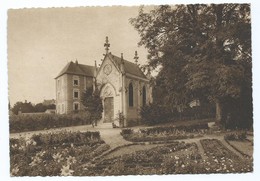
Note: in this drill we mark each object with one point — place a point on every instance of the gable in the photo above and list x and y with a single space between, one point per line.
106 63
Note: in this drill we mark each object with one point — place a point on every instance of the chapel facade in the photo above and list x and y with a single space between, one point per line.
124 88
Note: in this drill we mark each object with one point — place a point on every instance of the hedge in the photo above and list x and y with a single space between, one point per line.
21 123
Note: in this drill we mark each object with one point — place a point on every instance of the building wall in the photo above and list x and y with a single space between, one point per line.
133 111
110 80
61 94
66 100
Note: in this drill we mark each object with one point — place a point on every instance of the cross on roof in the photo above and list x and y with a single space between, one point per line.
136 57
107 45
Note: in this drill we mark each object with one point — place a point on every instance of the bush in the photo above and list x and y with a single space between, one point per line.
172 129
20 123
127 131
153 114
66 138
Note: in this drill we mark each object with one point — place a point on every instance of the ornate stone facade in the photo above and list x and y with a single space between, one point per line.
124 88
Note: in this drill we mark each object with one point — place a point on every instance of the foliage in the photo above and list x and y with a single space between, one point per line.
127 131
210 145
66 138
238 136
204 52
27 107
120 118
20 123
33 158
40 107
153 114
93 103
175 158
165 133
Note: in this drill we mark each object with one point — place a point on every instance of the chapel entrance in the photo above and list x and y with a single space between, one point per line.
108 110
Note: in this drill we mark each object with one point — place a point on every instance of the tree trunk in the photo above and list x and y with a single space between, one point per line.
218 112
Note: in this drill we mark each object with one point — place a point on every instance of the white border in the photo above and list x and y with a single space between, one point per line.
4 133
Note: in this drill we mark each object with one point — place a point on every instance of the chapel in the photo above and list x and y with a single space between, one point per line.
124 88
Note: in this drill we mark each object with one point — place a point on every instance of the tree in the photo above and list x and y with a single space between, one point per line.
93 104
205 53
40 107
23 107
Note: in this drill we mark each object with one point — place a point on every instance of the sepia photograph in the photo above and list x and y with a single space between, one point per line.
130 90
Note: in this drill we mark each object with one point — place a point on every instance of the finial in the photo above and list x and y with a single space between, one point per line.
76 61
95 63
122 58
107 45
136 57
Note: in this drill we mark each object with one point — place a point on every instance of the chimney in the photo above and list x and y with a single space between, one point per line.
76 62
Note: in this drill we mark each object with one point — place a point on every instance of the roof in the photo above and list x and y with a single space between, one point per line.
129 67
77 69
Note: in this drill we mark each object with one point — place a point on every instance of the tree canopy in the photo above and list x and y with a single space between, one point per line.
93 104
204 52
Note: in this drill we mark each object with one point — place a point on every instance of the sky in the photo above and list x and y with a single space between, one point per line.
41 41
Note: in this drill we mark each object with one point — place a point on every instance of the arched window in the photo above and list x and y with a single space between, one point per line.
144 95
131 95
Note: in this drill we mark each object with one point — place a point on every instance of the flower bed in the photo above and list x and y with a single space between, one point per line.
20 123
151 161
238 136
222 159
165 133
176 158
54 154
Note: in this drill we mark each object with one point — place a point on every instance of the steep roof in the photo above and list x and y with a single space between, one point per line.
129 67
77 69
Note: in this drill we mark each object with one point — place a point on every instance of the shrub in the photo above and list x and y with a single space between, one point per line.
66 138
153 114
20 123
172 129
127 131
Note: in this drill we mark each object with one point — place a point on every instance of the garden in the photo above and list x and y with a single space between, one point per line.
165 133
85 154
55 154
173 158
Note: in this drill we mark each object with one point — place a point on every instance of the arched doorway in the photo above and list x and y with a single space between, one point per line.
107 94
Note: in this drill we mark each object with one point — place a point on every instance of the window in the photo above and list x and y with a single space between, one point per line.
75 81
76 106
144 95
131 95
75 94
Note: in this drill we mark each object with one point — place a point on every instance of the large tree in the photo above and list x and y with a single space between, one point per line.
204 52
24 107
